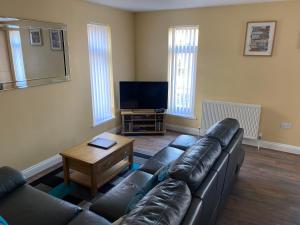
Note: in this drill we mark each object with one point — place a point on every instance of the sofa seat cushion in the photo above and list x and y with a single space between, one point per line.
184 142
194 164
10 179
29 206
89 218
160 159
113 204
166 204
223 131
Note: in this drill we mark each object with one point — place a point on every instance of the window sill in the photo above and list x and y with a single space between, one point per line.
104 121
182 116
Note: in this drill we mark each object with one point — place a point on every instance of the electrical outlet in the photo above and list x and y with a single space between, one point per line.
286 125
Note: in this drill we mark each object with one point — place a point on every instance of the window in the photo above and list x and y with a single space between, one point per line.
17 57
99 45
183 49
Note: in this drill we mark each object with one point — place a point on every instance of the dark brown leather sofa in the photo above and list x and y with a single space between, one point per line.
201 175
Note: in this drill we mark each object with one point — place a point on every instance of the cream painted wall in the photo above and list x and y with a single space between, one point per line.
36 123
223 72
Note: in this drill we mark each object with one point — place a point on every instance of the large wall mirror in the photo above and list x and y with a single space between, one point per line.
32 53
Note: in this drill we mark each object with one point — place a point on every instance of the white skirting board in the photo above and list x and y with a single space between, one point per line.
273 145
186 130
262 143
52 161
41 166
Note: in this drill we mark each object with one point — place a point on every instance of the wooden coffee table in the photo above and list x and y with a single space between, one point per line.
93 167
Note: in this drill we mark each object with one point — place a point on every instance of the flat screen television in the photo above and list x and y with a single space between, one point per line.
143 95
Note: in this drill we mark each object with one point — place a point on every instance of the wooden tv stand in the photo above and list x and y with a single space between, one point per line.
143 122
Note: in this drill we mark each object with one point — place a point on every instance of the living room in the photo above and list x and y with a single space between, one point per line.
40 122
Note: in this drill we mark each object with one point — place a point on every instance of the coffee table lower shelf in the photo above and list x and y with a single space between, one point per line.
103 178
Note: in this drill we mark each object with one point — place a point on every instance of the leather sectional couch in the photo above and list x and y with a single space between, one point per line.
201 173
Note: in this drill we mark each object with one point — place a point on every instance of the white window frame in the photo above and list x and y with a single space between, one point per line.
101 72
173 51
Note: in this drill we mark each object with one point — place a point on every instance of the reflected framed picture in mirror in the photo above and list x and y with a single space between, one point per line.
55 39
36 37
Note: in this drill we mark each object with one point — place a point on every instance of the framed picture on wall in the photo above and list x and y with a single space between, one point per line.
260 38
36 37
56 39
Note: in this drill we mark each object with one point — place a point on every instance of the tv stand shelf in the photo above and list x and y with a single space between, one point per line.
143 122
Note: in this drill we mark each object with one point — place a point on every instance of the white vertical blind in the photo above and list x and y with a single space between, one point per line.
183 50
99 45
17 57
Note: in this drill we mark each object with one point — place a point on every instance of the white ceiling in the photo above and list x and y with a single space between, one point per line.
153 5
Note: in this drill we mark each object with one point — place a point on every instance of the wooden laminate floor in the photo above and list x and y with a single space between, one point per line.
150 145
267 191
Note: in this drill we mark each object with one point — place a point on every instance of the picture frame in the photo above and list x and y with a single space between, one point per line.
259 40
36 38
56 39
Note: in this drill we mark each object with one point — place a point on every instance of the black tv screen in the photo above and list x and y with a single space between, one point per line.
143 95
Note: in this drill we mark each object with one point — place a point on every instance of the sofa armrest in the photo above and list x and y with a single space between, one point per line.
10 179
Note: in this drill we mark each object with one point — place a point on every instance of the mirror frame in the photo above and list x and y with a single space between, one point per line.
42 81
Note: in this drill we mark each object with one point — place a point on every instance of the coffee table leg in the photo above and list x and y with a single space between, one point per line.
66 171
130 157
94 188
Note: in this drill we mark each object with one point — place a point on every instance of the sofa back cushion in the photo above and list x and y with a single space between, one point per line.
166 204
223 131
193 165
10 179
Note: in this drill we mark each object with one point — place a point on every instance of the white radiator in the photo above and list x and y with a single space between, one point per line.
247 115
